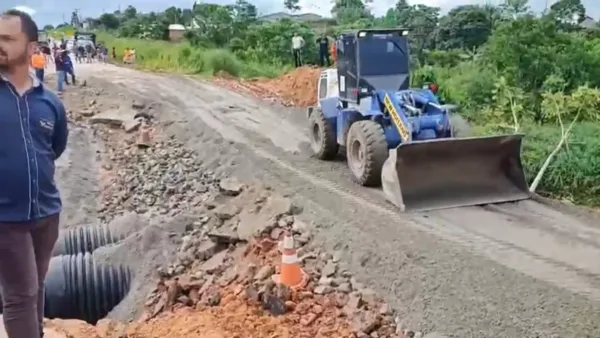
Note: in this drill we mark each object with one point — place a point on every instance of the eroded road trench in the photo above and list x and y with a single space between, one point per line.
524 269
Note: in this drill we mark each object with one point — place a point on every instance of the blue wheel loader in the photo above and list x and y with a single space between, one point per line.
403 139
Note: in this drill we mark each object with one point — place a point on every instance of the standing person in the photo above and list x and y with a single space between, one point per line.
88 53
132 56
80 53
33 125
59 63
323 42
105 54
69 68
114 54
126 55
47 53
297 46
38 62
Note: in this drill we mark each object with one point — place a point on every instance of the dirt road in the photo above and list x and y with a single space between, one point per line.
513 270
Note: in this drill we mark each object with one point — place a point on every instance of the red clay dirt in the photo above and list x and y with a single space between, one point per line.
237 314
298 88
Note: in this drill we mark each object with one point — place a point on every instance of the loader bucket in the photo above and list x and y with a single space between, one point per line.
447 173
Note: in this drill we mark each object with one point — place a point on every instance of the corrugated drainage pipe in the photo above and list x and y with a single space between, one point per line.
84 239
77 288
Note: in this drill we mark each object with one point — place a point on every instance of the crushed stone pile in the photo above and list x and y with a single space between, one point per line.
164 179
298 88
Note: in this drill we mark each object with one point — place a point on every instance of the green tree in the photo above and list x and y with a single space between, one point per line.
348 11
109 21
464 27
245 11
568 11
512 9
291 5
130 12
421 20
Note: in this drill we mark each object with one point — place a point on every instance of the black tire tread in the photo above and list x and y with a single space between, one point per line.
373 136
329 147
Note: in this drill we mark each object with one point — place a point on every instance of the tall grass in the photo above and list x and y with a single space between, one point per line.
163 56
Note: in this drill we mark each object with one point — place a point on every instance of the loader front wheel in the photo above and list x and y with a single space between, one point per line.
366 151
322 136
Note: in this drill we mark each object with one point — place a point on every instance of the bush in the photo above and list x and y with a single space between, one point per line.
575 171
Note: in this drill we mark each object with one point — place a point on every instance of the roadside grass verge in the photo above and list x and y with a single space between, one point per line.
574 173
163 56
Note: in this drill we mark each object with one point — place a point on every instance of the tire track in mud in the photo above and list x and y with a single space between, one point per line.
195 99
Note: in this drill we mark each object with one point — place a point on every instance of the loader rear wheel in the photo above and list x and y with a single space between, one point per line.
366 151
322 136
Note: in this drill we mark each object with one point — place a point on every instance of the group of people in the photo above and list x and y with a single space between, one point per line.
61 58
298 45
62 62
87 53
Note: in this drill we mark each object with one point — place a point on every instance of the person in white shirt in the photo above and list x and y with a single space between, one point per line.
297 45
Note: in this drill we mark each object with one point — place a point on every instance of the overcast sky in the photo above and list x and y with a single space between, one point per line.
52 11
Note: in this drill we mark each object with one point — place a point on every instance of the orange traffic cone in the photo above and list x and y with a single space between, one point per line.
144 138
291 274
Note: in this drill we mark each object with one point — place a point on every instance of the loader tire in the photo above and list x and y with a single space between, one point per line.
322 136
366 151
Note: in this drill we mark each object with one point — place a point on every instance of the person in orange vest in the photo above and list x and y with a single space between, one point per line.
38 62
334 55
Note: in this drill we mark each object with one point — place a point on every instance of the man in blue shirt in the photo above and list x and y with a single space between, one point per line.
69 69
33 129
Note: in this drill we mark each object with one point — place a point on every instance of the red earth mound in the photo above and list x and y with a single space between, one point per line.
298 88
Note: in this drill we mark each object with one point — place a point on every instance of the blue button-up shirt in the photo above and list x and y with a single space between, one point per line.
33 134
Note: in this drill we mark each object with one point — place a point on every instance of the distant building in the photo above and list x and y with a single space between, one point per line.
176 32
589 23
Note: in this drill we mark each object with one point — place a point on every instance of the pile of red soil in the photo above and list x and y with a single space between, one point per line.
298 88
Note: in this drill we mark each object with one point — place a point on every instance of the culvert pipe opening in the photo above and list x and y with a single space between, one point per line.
84 239
78 288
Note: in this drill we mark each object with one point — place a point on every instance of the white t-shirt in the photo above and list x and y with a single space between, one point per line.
297 42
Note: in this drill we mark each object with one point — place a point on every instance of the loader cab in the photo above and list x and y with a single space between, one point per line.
370 60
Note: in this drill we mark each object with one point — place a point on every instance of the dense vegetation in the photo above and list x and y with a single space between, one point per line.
509 69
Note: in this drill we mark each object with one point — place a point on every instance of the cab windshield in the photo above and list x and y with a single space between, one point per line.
383 54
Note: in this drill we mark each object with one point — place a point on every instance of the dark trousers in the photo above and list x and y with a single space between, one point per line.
69 71
25 252
297 57
324 58
39 73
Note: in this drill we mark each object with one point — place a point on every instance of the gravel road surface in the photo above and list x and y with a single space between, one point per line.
522 269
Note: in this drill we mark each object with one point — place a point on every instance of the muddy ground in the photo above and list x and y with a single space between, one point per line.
522 269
